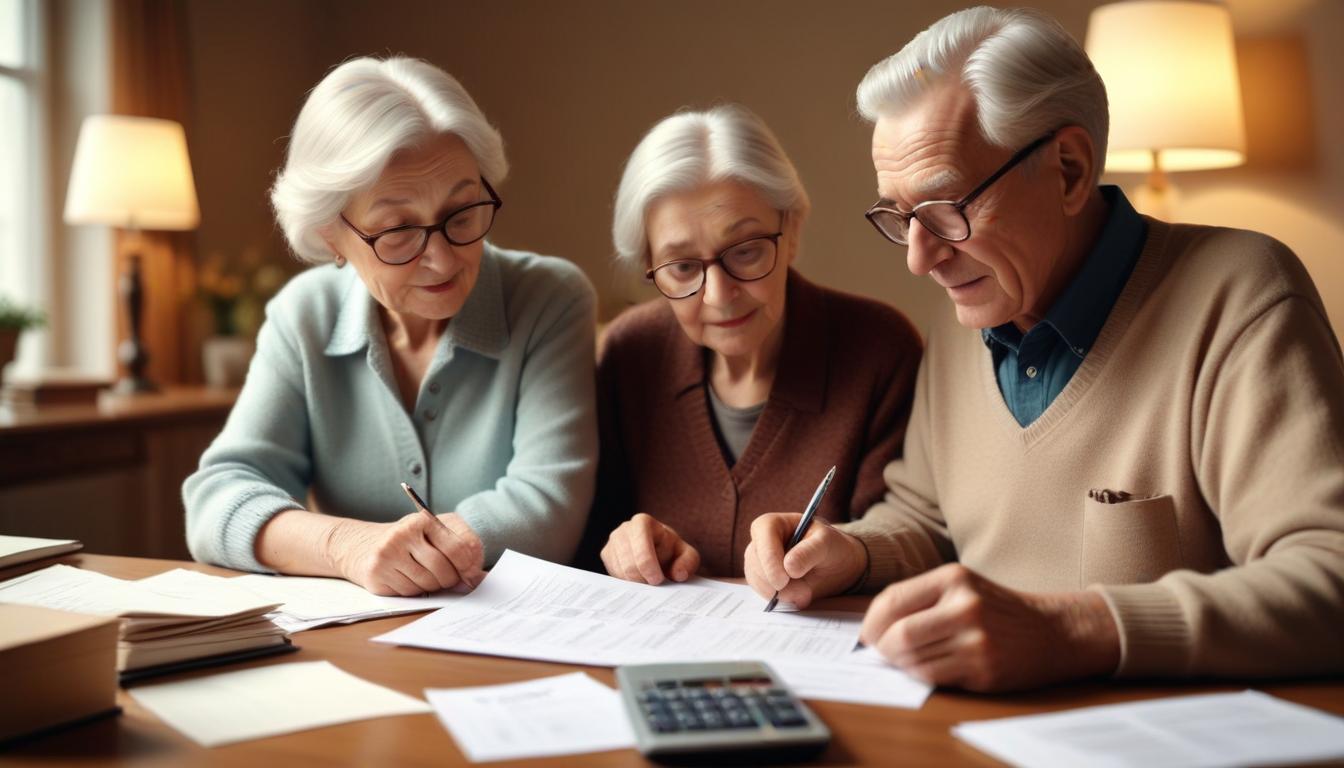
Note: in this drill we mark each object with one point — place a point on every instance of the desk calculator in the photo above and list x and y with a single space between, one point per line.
724 711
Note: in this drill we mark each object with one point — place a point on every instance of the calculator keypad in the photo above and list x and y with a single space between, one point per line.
671 706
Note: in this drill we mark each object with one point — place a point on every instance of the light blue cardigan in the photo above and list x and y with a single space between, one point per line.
504 429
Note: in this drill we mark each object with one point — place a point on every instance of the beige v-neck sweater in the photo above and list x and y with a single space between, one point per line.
1215 397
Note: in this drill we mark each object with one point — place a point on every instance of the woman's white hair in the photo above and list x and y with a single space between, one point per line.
689 149
361 114
1026 72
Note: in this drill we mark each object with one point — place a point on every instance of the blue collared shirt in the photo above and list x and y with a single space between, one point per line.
1033 368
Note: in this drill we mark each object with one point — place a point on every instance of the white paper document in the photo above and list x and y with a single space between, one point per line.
310 602
268 701
862 677
305 602
1205 731
562 715
529 608
80 591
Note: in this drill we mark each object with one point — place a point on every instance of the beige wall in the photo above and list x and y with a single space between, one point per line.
574 85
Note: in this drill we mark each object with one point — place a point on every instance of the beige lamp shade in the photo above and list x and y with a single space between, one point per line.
1170 71
134 173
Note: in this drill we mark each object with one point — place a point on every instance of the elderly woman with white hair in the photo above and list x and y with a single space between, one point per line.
732 395
417 352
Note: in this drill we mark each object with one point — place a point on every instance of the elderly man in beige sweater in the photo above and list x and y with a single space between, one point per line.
1126 450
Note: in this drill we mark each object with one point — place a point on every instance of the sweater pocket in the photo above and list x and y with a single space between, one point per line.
1130 541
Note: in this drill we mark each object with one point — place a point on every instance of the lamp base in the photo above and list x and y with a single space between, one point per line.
1158 202
131 352
1157 197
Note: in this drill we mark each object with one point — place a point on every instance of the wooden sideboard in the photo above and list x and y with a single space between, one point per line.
109 475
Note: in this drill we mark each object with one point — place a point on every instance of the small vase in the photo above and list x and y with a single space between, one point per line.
225 359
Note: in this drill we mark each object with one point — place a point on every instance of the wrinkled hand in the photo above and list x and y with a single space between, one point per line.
826 561
409 557
951 626
643 549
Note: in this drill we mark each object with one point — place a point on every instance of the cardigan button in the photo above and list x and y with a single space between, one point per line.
416 468
434 387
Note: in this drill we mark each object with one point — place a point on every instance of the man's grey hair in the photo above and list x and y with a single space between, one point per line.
1027 74
689 149
361 114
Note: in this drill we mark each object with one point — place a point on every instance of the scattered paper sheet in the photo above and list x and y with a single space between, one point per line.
562 715
1205 731
863 677
306 602
80 591
310 602
529 608
193 585
268 701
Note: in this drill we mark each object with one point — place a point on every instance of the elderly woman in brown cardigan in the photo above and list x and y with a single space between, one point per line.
731 395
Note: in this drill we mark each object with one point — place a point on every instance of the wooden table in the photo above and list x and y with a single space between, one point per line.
862 735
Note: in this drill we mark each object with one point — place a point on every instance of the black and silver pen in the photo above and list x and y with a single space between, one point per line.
801 530
424 508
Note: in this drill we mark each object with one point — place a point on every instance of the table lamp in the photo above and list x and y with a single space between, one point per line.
1170 71
132 173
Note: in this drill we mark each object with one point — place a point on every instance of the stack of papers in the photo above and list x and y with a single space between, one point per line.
158 626
562 715
532 609
310 602
268 701
1206 731
304 602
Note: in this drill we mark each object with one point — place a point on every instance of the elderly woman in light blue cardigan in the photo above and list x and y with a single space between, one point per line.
418 352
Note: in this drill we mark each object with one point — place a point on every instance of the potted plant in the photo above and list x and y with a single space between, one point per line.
234 291
15 319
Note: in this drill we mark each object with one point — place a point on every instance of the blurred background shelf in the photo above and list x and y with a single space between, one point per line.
109 475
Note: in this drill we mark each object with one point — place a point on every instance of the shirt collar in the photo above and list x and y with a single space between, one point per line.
481 325
1081 310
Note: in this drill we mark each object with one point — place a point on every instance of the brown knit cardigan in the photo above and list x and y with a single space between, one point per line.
841 396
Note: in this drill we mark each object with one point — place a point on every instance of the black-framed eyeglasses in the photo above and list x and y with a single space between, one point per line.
944 218
404 244
745 261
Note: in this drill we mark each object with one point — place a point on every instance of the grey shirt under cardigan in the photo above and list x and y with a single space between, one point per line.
733 425
504 428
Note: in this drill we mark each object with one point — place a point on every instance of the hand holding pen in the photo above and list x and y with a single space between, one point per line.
789 559
801 530
461 545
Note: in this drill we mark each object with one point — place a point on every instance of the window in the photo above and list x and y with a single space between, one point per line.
22 274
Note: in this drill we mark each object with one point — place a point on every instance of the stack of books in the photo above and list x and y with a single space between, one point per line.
51 388
15 550
58 669
160 630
